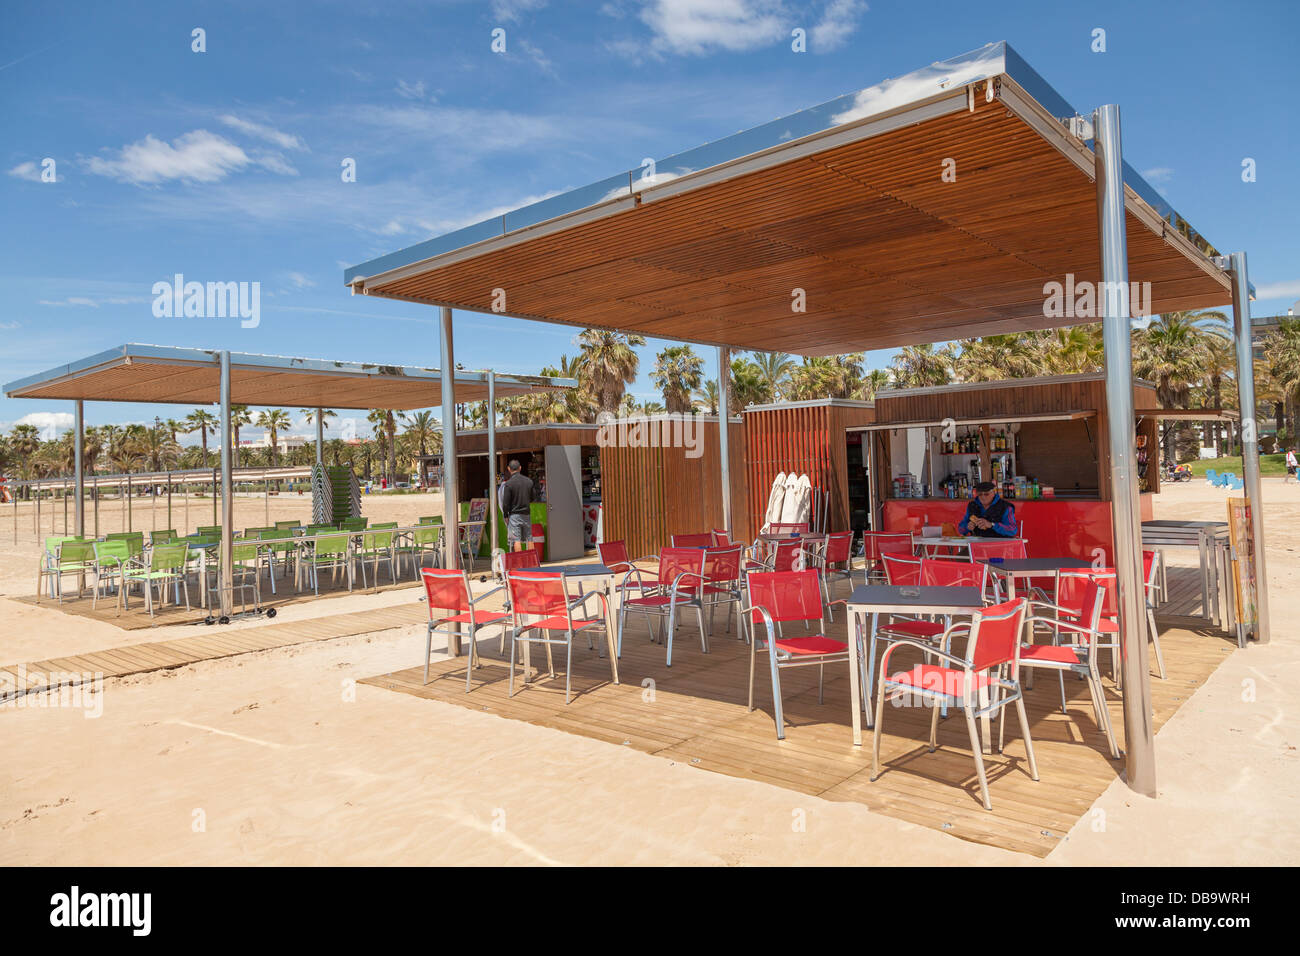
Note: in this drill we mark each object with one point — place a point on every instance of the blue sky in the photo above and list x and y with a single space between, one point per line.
225 165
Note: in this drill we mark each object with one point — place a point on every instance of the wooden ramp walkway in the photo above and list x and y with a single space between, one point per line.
695 713
206 644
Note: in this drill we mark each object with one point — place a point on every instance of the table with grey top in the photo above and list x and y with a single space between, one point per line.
1012 570
603 577
1211 540
873 600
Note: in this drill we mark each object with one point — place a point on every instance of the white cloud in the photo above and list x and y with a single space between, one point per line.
1158 174
95 302
28 171
839 21
275 163
197 156
1278 290
511 11
10 326
535 54
694 27
261 131
50 424
411 91
300 281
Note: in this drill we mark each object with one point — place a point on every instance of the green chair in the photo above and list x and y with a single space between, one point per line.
134 538
426 540
257 532
379 545
430 519
111 558
353 524
330 551
246 561
287 525
210 529
284 546
167 563
162 537
49 560
69 556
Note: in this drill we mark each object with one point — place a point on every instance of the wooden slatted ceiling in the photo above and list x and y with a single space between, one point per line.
886 251
143 380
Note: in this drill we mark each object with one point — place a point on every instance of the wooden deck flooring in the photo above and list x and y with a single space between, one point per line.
695 713
137 617
206 644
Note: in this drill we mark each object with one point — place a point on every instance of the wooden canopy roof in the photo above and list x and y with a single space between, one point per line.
157 373
846 206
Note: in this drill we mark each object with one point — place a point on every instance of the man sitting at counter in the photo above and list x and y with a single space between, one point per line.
989 515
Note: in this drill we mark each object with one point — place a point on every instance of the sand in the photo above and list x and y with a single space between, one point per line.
277 757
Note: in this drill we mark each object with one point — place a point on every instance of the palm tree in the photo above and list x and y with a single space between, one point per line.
994 358
203 421
750 384
386 428
273 420
708 396
158 450
678 371
872 382
1070 350
239 417
608 365
774 368
1171 351
423 429
917 366
175 427
124 451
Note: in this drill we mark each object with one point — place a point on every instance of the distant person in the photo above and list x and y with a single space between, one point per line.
1290 464
516 498
989 515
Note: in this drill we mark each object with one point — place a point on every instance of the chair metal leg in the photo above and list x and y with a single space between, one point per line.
978 750
753 651
1155 641
704 635
778 713
568 664
1024 729
934 726
877 729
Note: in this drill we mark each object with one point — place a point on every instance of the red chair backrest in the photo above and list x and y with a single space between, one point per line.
952 574
879 543
838 544
788 527
676 561
1149 567
693 540
1072 588
722 565
787 595
787 552
902 571
987 548
446 589
720 538
995 634
537 592
613 553
514 560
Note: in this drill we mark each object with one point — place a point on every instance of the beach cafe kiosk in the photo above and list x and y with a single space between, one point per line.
835 230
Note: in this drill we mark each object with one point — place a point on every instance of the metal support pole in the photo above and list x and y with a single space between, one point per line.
169 500
96 494
130 504
320 440
226 565
450 497
1113 299
724 426
1249 433
492 459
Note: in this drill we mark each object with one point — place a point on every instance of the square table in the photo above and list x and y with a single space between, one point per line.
604 577
1014 569
1211 539
877 599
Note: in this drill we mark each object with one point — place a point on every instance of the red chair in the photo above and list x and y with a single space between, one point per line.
902 571
836 560
788 527
447 590
539 540
991 664
877 544
1070 591
680 583
518 560
1078 656
723 576
779 597
1151 574
692 540
613 554
720 538
545 595
981 549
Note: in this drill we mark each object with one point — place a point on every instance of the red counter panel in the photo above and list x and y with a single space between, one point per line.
1055 528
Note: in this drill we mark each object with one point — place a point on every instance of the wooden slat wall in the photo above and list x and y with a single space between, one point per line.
649 494
806 440
525 440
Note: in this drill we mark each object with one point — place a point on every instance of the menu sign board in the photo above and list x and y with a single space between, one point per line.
1244 576
474 534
